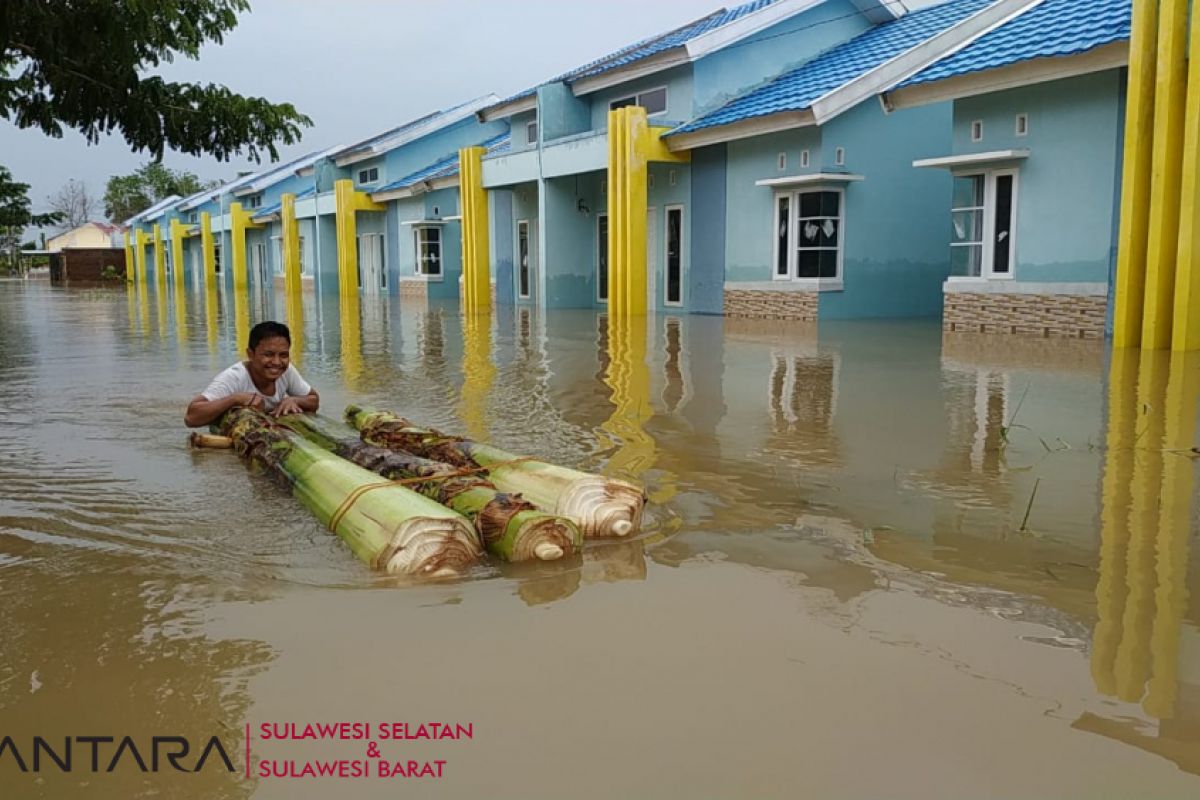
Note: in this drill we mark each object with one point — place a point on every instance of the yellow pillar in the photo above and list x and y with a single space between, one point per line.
347 202
177 229
477 288
290 244
208 251
1135 179
160 259
632 145
1170 96
1186 331
130 264
239 223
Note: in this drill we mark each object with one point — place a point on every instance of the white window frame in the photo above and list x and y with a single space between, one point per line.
833 284
781 162
976 130
277 246
1021 125
254 201
637 96
839 156
368 180
531 138
517 247
987 262
804 158
417 260
682 255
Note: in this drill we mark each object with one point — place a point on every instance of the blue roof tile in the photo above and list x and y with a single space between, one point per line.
799 88
653 45
443 167
1053 28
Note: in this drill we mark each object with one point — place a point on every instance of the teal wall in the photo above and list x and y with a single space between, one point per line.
500 221
679 96
561 112
719 76
896 252
525 207
444 203
750 220
706 278
569 238
1066 188
519 122
658 197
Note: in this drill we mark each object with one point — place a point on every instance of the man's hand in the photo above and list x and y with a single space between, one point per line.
249 399
289 405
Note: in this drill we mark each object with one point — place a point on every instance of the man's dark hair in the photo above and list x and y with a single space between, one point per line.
268 330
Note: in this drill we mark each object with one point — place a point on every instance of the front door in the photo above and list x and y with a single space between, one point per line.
372 276
526 259
673 258
261 273
651 261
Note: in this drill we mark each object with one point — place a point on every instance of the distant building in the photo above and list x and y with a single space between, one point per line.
89 234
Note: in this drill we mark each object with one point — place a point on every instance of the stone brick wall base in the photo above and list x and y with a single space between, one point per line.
766 304
1057 315
414 289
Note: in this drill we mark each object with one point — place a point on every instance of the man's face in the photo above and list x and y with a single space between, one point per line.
270 359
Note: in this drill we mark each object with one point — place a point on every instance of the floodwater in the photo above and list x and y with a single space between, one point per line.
877 562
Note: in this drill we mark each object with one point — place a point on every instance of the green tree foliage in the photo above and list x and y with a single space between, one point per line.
126 195
16 214
81 65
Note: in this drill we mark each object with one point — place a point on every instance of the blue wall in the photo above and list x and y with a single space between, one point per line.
679 96
525 207
561 112
569 237
501 224
708 209
1067 186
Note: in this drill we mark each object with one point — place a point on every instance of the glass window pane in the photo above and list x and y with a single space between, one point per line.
654 102
624 101
1003 243
966 226
966 261
810 204
827 233
829 204
828 263
808 264
968 191
781 236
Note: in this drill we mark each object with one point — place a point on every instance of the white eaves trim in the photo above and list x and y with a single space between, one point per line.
757 126
804 180
154 210
361 153
748 25
269 179
971 159
420 187
505 110
1023 73
423 221
917 58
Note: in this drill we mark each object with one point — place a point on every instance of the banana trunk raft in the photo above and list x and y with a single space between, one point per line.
386 525
601 507
511 528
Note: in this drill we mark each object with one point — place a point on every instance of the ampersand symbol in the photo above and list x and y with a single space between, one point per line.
372 750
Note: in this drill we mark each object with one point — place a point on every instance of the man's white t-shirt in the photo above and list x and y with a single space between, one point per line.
237 379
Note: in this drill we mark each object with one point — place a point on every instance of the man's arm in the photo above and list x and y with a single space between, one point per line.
296 405
201 411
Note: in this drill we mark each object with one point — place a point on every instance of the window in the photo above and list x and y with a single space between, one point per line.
216 258
602 258
983 224
807 234
1022 127
671 177
523 266
673 262
804 159
781 162
839 157
531 132
428 250
977 131
653 100
370 175
254 201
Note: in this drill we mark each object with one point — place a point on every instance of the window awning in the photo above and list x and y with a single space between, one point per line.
972 159
804 180
424 222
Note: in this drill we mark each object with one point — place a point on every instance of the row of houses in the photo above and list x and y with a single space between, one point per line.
807 159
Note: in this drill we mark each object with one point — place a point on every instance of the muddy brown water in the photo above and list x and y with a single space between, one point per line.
877 562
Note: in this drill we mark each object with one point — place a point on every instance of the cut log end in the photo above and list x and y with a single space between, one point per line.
210 441
622 527
548 552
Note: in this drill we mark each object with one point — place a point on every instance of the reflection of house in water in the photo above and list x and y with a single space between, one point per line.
1146 646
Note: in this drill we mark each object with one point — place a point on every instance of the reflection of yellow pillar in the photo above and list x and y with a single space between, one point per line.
211 310
629 378
477 293
1174 528
160 296
1111 589
177 229
130 265
1135 179
1186 332
160 256
180 314
1133 654
131 299
239 223
143 240
208 251
351 330
478 373
143 307
1170 95
347 203
632 145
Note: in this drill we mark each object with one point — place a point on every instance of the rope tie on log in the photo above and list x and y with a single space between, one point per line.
352 498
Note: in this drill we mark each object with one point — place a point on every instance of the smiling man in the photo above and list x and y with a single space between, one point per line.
266 380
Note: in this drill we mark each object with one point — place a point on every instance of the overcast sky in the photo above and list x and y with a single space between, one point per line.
358 67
